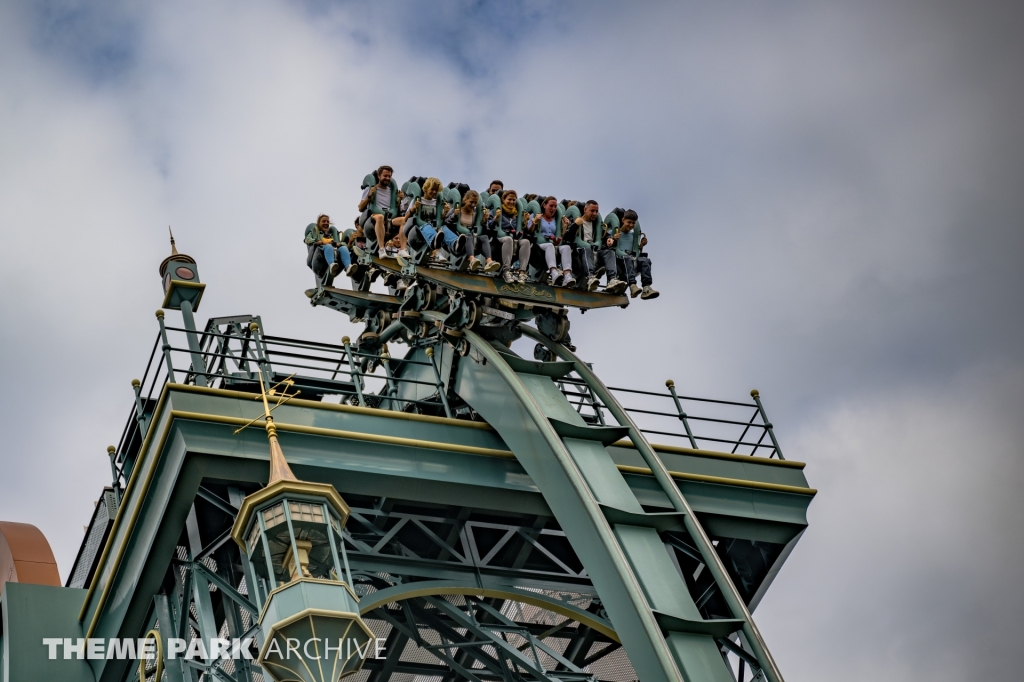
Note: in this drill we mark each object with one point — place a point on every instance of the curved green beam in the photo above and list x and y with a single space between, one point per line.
437 588
637 626
679 503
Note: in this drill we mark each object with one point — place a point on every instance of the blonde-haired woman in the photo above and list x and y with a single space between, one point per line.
424 213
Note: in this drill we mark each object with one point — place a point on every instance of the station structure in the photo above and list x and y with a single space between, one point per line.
472 513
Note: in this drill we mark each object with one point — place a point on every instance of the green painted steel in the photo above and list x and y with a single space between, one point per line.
714 562
194 449
30 613
579 481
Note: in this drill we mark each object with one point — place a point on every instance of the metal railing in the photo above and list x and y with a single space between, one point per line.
231 354
232 351
698 423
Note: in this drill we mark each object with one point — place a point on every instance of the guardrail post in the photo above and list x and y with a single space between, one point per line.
441 388
166 347
767 424
112 454
198 364
682 414
357 377
261 356
140 413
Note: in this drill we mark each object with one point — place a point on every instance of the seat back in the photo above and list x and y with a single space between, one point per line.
534 208
371 179
416 192
575 211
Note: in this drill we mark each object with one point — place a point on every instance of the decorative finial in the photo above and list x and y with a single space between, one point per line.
670 383
111 449
754 393
136 383
174 249
159 314
279 469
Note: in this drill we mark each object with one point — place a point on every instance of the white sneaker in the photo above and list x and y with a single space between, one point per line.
593 283
616 286
474 264
649 292
403 253
381 253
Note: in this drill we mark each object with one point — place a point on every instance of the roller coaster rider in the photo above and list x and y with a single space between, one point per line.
378 205
327 251
505 228
462 219
548 231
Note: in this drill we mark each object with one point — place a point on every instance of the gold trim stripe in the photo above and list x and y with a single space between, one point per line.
722 480
391 440
509 594
486 452
120 512
350 435
697 452
372 411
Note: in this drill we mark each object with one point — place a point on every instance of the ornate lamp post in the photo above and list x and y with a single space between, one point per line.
290 532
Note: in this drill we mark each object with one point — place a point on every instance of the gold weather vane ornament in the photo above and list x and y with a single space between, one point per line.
279 469
174 249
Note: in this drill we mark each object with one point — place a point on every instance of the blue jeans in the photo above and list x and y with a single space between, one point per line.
428 232
450 239
633 265
342 254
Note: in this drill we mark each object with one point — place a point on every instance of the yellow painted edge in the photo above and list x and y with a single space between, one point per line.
288 584
188 285
350 435
391 440
373 411
120 509
721 480
512 595
487 452
131 522
715 454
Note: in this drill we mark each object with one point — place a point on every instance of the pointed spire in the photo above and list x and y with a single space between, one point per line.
279 469
174 249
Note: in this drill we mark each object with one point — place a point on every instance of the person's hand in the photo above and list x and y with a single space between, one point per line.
643 241
565 221
373 192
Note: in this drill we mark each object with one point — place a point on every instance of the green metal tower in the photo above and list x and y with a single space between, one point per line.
457 511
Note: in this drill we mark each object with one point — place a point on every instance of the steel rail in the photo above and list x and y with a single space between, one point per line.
652 630
707 550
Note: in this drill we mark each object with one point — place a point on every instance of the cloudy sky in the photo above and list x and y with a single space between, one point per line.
834 194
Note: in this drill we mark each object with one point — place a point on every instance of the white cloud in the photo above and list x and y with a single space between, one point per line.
910 565
830 191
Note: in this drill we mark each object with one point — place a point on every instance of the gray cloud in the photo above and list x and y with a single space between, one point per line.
832 193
